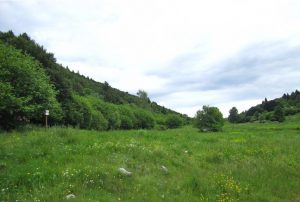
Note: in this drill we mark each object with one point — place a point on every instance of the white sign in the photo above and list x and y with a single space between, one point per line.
47 112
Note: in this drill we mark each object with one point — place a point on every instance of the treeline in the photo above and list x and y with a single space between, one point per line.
269 110
31 81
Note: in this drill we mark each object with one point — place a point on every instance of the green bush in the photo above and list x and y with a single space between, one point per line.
173 121
127 117
144 119
126 122
209 119
98 121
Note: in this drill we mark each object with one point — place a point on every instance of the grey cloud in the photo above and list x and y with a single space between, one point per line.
257 67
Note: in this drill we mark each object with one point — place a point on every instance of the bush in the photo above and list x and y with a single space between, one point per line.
98 121
144 119
209 119
126 122
173 121
291 111
127 117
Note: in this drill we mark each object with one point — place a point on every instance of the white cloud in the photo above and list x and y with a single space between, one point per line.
121 41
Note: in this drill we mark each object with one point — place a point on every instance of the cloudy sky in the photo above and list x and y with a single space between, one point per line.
185 53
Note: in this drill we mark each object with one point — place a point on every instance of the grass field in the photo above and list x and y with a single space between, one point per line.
245 162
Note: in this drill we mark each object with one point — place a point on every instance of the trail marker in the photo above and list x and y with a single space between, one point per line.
46 117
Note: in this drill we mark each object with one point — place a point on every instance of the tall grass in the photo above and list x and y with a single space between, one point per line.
245 162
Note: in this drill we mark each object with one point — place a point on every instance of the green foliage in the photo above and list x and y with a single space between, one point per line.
143 95
90 118
244 162
289 104
25 91
233 115
173 121
278 114
84 102
209 119
128 120
144 119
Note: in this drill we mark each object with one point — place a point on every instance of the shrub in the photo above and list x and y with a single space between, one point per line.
144 119
173 121
126 122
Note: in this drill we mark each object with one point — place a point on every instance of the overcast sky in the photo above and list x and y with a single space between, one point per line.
185 54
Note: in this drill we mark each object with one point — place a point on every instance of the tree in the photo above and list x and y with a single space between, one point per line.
233 115
142 94
25 90
209 119
173 121
279 114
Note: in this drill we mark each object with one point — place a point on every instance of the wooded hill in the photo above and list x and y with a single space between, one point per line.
31 81
269 110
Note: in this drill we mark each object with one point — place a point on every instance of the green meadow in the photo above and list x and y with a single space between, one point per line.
244 162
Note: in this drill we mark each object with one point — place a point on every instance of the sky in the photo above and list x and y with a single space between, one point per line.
184 54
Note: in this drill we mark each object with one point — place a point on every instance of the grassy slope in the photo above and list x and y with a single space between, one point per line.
246 162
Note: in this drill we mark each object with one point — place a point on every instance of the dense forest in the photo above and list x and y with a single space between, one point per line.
31 81
269 110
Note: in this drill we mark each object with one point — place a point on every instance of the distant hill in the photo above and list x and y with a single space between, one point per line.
270 110
84 103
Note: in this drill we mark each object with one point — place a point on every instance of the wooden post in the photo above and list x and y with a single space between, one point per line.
46 118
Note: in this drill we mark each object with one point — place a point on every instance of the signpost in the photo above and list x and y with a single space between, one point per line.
46 117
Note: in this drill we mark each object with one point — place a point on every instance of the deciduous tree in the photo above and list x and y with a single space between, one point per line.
209 119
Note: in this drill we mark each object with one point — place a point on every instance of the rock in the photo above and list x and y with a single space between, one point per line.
205 129
70 196
164 169
123 171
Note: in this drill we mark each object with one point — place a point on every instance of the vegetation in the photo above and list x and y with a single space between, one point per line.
72 99
244 162
173 121
273 110
279 114
25 90
233 115
209 119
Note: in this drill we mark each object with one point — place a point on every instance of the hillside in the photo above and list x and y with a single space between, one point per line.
272 110
84 102
245 162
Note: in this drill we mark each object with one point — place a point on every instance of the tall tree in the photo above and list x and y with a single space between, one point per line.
233 115
142 94
25 90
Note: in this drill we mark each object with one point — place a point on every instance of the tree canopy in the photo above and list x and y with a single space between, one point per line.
233 115
25 90
32 81
209 119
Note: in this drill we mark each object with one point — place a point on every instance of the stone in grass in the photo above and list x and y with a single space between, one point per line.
123 171
70 196
164 169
